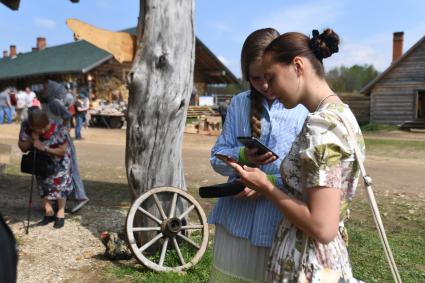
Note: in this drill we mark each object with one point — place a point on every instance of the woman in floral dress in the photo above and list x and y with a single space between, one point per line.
40 133
320 171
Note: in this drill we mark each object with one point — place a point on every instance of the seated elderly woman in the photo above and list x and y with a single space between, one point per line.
40 133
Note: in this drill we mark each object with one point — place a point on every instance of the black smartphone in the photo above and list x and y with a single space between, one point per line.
252 142
226 158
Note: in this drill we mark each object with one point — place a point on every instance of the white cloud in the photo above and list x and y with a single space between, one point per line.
375 49
223 60
45 23
231 64
303 18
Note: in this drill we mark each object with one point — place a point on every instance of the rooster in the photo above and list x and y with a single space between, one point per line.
116 245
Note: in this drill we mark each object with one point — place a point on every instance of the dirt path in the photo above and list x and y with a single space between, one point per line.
74 253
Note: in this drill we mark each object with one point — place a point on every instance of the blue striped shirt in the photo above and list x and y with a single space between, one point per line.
255 220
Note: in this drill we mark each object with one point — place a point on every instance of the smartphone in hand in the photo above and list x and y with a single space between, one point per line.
252 142
226 158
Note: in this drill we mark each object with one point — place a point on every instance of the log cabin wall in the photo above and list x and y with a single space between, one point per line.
394 97
359 105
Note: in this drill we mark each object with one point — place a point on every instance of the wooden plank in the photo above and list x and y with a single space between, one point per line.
121 45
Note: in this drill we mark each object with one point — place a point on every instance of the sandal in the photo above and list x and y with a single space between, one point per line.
46 220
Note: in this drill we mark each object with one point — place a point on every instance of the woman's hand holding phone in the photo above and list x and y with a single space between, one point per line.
253 178
262 159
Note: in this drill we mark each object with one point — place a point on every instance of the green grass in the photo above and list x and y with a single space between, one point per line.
405 231
395 148
371 127
136 273
191 120
400 144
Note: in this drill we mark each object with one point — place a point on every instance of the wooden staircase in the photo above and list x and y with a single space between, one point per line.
417 124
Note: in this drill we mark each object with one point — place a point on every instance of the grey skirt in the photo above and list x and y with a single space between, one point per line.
236 260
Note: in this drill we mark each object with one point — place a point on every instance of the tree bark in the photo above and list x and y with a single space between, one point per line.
160 83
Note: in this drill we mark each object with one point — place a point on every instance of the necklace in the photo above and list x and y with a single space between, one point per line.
321 101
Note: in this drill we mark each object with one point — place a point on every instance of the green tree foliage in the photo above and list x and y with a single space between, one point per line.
230 89
351 79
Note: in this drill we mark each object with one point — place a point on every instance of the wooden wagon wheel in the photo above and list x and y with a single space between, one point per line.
184 237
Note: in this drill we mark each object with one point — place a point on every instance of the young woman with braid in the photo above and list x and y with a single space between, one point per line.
247 222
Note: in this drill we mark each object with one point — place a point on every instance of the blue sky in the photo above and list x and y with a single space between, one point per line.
365 27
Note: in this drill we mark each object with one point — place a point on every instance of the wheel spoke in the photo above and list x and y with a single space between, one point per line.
151 242
187 212
149 215
192 227
158 204
173 206
163 251
176 246
145 229
189 241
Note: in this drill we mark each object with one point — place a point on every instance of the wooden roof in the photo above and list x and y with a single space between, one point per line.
12 4
368 88
210 67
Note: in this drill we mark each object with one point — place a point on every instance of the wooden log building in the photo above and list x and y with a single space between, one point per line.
398 94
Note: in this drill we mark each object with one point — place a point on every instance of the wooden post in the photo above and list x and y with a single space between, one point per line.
160 84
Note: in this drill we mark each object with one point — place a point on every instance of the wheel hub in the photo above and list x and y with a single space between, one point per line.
171 227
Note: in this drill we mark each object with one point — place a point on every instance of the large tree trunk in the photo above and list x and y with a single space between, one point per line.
160 82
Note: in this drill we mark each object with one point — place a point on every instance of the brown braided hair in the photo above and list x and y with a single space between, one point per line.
252 50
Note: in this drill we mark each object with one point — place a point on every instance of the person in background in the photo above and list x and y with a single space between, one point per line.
81 107
12 94
222 109
193 96
21 106
53 95
38 132
69 101
321 171
5 106
94 100
30 96
246 223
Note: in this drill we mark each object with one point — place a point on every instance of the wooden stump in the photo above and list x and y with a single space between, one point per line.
160 82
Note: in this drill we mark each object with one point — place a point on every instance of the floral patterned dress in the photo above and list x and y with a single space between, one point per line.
58 185
322 155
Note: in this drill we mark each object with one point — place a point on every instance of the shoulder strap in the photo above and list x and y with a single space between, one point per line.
373 204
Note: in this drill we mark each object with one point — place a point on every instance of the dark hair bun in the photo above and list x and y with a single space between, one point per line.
325 44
